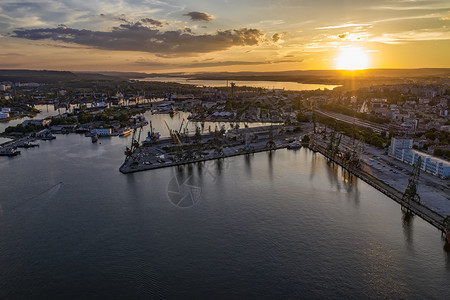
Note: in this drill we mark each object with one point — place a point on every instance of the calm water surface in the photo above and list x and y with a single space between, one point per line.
44 112
286 85
271 225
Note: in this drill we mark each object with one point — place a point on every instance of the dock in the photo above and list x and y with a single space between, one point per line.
432 217
129 167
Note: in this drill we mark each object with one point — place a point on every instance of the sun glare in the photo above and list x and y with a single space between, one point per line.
352 59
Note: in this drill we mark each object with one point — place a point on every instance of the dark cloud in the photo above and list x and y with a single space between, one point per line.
136 37
276 37
199 16
205 64
343 35
152 22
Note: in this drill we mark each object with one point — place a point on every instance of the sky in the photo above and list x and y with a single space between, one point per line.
227 35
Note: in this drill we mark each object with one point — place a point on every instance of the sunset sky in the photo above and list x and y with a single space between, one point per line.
227 35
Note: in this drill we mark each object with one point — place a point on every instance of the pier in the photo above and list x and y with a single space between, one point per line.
132 167
432 217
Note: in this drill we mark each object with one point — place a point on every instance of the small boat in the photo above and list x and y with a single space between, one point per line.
94 138
126 132
294 145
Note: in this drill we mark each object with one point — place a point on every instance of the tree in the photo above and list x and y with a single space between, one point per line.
301 117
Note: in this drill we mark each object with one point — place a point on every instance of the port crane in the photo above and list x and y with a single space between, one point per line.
129 151
410 193
174 135
335 141
313 140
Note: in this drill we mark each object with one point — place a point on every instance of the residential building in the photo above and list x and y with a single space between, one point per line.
400 143
401 149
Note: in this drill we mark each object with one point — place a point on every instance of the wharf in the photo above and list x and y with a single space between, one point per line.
127 166
13 143
432 217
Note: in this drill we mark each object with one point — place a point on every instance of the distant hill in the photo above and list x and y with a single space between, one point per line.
326 75
338 77
44 76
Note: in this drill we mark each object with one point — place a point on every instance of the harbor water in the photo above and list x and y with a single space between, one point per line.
285 224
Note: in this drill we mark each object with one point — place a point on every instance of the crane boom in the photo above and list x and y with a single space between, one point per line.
181 126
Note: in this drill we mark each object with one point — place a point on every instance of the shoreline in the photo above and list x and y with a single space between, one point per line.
423 211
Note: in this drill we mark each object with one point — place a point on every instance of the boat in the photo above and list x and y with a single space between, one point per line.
9 152
294 145
152 136
47 137
94 138
28 145
126 132
81 130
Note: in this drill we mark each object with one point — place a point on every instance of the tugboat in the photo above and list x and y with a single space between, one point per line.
94 138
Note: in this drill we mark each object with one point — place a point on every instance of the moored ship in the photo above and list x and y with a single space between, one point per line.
126 132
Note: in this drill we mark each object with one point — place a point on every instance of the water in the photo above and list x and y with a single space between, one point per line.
280 225
45 111
286 85
159 124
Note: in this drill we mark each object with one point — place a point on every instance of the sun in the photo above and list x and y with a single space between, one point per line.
352 58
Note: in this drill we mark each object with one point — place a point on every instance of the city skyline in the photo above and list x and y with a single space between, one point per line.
191 36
